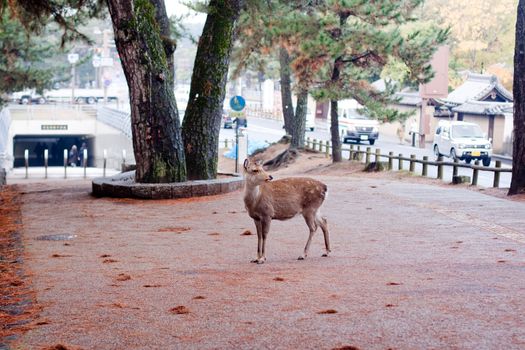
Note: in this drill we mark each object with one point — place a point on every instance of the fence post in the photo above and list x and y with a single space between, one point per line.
26 160
359 154
497 174
400 162
378 155
475 173
225 143
412 163
314 145
455 168
368 153
308 142
390 160
327 151
440 168
351 152
65 163
425 166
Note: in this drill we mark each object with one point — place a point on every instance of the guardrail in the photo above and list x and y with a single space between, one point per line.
120 120
366 156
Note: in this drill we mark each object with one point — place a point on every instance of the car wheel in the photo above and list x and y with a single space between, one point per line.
486 161
24 101
90 100
41 101
468 160
453 154
372 141
436 151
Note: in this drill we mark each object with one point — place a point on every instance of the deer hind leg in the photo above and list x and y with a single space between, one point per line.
309 217
321 221
258 226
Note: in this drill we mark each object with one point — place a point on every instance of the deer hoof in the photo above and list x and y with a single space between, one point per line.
261 261
301 258
325 255
254 261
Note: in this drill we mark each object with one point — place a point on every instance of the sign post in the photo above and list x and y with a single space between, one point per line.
72 58
237 104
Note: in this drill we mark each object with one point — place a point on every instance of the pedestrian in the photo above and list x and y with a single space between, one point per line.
401 133
81 153
73 156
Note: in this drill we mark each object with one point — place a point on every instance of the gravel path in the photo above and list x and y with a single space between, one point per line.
413 267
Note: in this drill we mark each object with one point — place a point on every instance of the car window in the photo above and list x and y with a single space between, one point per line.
459 131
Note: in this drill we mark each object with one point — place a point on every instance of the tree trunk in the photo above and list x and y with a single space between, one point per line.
334 131
157 141
299 120
334 118
517 184
286 90
202 120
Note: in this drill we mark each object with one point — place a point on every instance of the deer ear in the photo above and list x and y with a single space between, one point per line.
246 162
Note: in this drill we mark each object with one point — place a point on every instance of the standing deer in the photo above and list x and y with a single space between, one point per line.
266 200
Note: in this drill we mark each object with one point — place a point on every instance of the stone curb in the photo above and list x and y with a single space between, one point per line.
123 186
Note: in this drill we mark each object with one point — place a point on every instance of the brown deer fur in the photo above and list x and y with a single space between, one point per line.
283 199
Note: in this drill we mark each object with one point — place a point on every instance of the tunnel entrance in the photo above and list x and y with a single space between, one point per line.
36 144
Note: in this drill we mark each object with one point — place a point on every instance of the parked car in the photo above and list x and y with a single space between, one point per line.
462 141
227 122
27 99
356 127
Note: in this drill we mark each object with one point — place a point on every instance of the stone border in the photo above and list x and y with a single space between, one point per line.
123 186
3 180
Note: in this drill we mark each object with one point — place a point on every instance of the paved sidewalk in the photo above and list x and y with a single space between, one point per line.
413 267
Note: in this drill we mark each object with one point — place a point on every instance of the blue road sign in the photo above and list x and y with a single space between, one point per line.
237 103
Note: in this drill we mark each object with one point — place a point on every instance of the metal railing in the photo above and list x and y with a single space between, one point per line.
120 120
366 156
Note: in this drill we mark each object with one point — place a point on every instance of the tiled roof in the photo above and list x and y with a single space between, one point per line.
476 87
484 108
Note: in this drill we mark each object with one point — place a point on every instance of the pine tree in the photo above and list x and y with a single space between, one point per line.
517 184
339 44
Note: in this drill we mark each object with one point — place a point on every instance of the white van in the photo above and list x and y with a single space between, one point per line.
462 141
354 126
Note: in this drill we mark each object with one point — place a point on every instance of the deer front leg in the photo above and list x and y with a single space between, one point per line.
258 226
265 229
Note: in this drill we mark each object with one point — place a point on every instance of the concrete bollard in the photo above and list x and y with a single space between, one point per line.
424 172
105 163
368 154
455 168
351 153
65 163
46 157
26 161
327 150
378 155
123 160
400 162
84 161
390 160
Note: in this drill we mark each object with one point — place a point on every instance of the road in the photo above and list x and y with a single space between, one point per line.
271 131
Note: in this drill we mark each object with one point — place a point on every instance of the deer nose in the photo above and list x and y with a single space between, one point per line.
270 178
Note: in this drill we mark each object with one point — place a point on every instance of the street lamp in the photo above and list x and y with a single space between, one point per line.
73 59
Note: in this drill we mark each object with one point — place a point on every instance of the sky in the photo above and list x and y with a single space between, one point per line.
176 7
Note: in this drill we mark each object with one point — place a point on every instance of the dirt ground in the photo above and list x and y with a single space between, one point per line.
407 271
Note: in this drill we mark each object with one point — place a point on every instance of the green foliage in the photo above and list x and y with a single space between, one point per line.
340 44
25 62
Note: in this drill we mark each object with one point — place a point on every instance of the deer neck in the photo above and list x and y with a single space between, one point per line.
251 195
